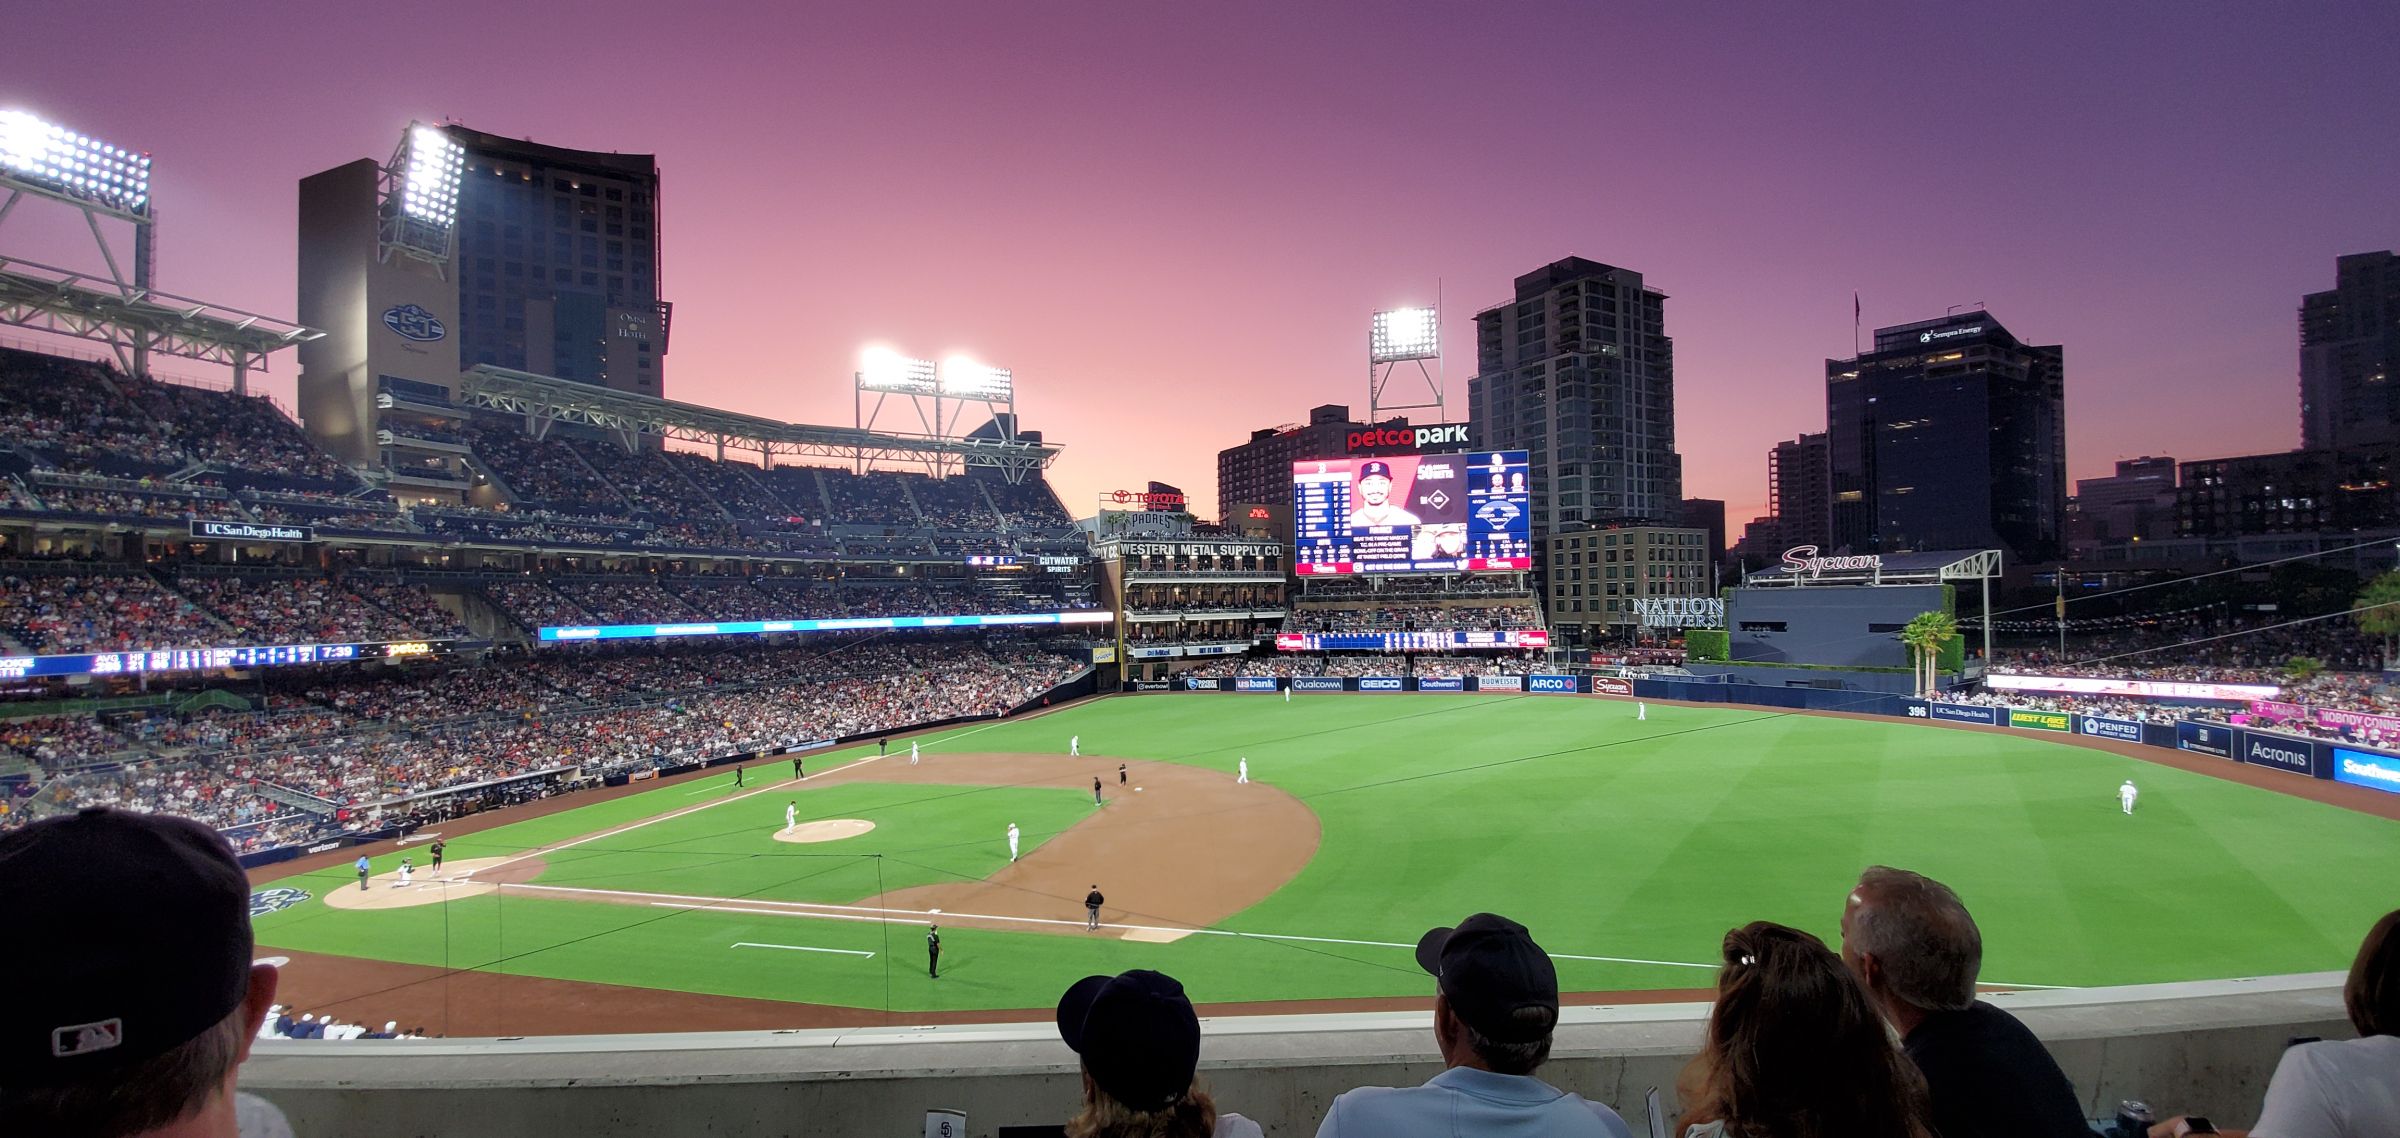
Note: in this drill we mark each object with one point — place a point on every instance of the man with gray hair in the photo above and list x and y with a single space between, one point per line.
1916 951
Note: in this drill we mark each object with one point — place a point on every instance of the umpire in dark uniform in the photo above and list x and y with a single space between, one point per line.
933 951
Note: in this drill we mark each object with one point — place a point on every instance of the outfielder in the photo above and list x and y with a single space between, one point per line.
1245 770
2126 794
912 752
791 814
1074 745
1287 691
1641 712
1012 841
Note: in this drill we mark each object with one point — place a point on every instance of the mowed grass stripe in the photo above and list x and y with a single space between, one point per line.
1607 836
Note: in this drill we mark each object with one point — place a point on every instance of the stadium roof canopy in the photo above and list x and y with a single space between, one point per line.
138 321
546 399
1801 567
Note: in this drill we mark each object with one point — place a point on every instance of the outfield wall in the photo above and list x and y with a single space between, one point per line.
2206 1047
2292 754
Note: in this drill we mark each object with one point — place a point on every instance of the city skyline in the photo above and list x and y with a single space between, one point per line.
1182 220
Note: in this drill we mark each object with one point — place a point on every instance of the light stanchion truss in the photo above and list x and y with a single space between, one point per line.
135 322
544 400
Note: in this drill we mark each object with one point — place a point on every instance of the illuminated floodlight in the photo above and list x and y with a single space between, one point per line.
76 165
430 175
1405 334
963 378
882 369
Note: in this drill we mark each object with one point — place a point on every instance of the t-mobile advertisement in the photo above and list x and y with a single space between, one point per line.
1412 513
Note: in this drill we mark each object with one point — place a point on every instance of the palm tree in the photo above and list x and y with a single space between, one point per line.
1924 635
2377 611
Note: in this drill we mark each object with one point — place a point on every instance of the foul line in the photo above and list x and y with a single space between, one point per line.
803 948
824 911
674 814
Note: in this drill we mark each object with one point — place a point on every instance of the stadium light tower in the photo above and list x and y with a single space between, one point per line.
1397 337
419 188
44 159
940 394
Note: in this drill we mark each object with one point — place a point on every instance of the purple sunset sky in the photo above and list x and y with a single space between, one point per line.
1174 220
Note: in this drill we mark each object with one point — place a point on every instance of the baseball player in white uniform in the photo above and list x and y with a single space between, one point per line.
791 815
1245 770
1012 841
2126 794
1074 745
912 752
405 869
1641 712
1287 691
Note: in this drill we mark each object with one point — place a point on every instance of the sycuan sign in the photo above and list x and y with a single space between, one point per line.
1804 559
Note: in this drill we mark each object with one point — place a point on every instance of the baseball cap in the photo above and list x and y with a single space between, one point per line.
1137 1034
1490 969
106 989
1375 470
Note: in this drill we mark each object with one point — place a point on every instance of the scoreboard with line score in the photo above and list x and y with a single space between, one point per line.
1412 513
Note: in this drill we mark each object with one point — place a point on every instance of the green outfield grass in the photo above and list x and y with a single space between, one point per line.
1633 844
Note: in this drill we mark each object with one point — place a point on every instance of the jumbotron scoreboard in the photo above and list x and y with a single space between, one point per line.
1412 513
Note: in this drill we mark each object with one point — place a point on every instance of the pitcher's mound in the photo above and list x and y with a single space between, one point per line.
458 880
828 830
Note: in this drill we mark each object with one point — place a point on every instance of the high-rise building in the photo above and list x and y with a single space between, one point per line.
2295 492
1800 491
1595 574
2350 356
1259 472
2137 503
558 263
1707 514
1578 371
1951 434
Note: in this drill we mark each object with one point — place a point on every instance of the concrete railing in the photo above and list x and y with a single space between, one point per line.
2205 1047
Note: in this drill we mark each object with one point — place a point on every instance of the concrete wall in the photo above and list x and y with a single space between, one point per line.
2205 1047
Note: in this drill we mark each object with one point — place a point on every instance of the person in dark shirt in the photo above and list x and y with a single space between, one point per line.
1916 950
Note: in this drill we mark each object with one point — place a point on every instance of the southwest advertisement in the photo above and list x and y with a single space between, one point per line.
2359 768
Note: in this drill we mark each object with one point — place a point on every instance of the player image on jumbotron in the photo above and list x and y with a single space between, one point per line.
1376 507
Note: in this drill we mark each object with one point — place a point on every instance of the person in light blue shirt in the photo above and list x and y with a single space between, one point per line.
1495 1007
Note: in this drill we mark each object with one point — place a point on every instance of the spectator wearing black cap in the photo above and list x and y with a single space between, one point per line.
1139 1041
1495 1009
147 1000
1916 950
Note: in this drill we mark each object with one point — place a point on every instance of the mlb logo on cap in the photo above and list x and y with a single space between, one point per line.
87 1038
1381 470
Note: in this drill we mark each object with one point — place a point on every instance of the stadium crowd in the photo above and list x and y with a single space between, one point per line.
356 742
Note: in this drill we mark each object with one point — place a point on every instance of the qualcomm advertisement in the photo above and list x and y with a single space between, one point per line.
2205 738
553 634
2358 768
2098 727
1316 683
2295 755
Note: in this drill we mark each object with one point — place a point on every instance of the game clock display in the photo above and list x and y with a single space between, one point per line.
1412 513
